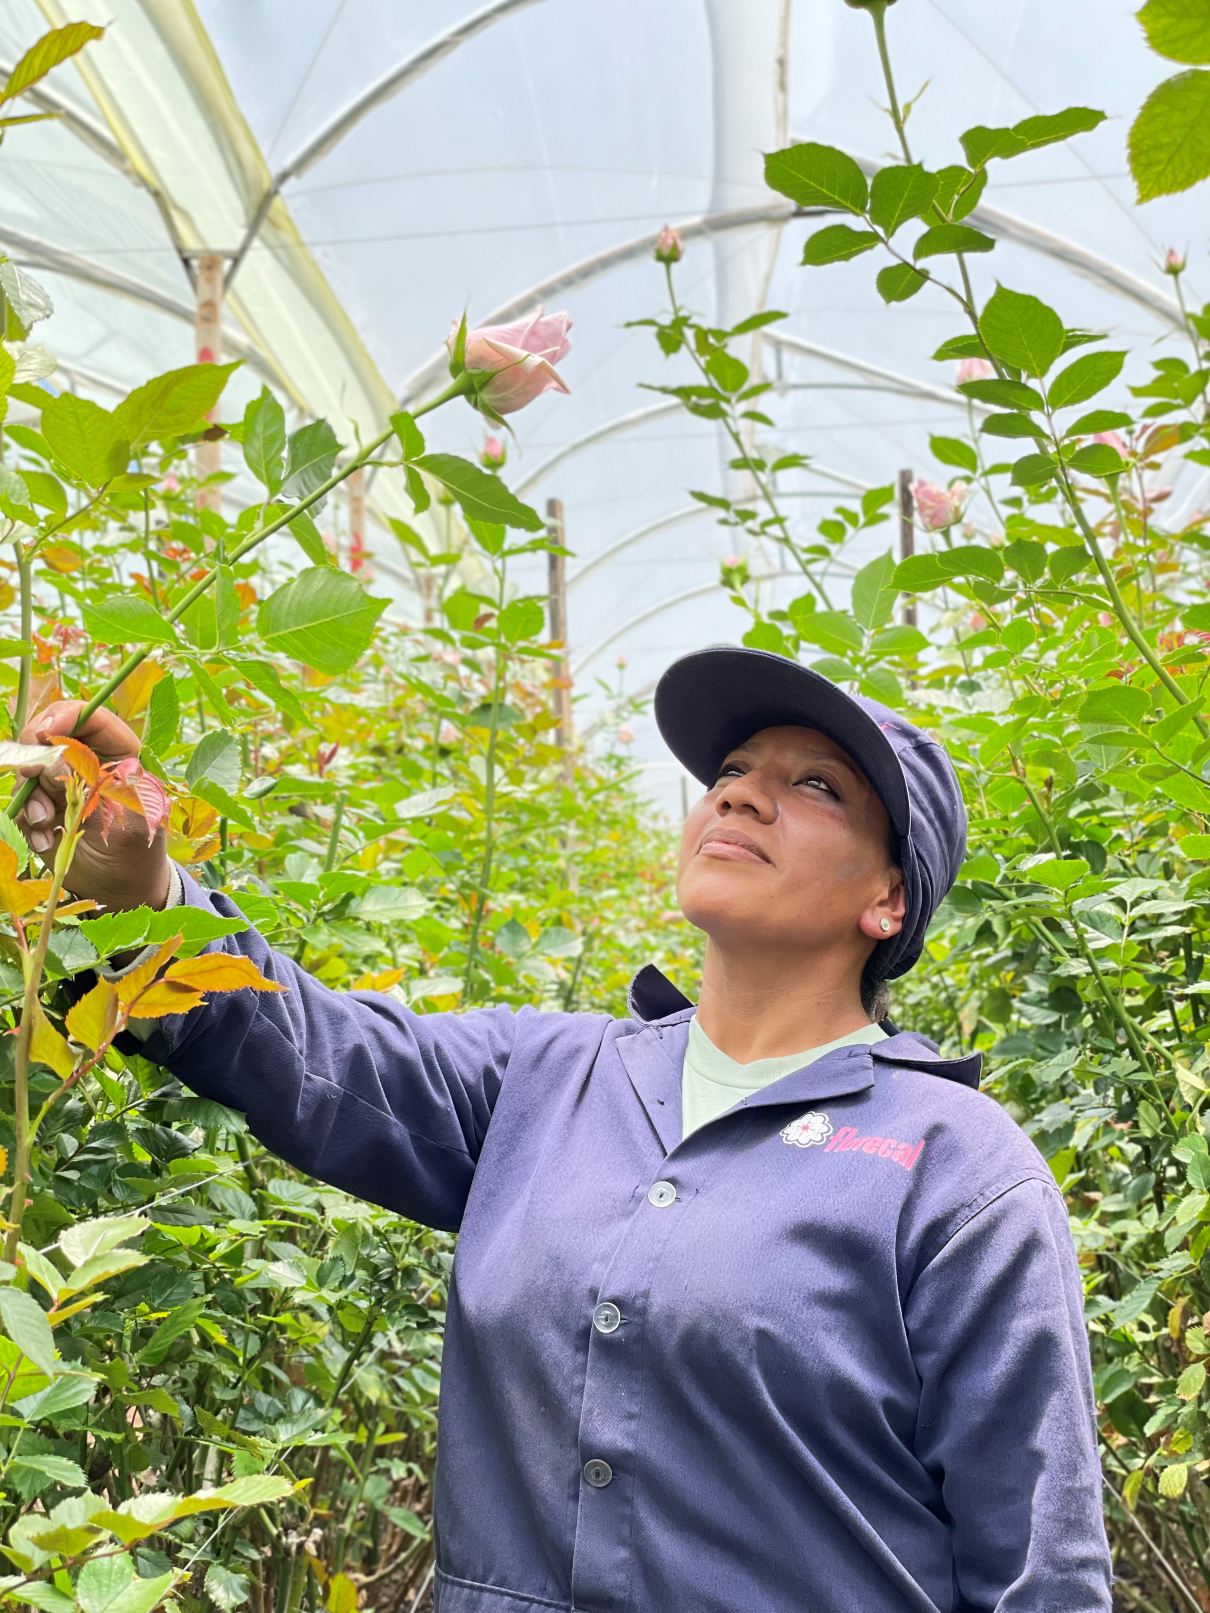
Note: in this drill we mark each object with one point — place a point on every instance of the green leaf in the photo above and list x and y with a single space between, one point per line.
411 440
1169 143
163 716
520 619
482 497
1003 394
981 144
899 640
417 491
836 243
41 1595
1099 420
766 636
323 618
899 193
1187 792
53 48
1124 703
65 1394
953 451
85 439
1065 563
1097 459
264 676
1084 379
960 347
1058 873
817 176
830 629
951 238
127 619
1013 425
900 282
1021 331
57 1469
227 607
1195 846
873 598
1191 1382
728 373
264 441
226 1588
1031 470
310 458
1173 1481
170 1329
101 1579
923 571
1178 29
306 533
15 841
88 1239
171 404
215 759
1049 127
26 1324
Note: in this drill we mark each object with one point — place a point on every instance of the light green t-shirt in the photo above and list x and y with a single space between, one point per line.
711 1082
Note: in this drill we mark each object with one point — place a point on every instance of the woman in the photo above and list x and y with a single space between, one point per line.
757 1307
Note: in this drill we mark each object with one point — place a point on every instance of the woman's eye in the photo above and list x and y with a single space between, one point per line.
814 782
730 770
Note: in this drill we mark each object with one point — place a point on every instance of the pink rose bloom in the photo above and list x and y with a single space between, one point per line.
730 561
492 454
669 247
621 661
625 734
939 507
972 369
447 734
170 484
1173 262
1112 440
521 356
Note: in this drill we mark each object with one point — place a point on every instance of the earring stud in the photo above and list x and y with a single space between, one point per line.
884 925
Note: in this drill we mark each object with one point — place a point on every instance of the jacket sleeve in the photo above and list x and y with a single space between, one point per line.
1007 1416
352 1088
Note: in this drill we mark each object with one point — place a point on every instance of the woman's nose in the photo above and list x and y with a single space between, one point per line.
746 793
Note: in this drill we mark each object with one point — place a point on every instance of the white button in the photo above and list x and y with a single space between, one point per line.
597 1473
606 1318
661 1194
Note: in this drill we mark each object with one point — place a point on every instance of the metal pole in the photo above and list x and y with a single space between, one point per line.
907 536
557 615
207 456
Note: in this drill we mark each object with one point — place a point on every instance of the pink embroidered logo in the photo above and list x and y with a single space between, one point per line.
847 1140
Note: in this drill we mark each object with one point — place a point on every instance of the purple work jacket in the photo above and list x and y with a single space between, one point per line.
824 1356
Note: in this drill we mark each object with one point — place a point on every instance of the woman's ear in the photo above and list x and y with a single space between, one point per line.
884 917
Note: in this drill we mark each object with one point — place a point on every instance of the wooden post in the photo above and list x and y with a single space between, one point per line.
208 459
557 618
357 522
907 535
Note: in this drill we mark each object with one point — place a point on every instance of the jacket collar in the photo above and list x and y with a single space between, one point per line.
654 1000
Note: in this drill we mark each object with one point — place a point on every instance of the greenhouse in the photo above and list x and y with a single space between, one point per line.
398 403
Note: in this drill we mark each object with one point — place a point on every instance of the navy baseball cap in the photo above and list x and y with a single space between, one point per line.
711 701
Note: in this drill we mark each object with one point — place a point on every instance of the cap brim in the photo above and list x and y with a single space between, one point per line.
711 701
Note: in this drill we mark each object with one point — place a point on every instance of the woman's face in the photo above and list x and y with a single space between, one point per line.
790 848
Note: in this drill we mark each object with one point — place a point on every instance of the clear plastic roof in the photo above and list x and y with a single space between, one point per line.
514 143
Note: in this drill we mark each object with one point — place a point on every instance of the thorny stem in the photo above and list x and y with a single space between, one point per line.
463 384
764 487
878 14
34 967
489 808
1120 608
25 576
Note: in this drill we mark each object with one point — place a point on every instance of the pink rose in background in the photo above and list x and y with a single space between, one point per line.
493 454
625 734
170 484
669 248
939 507
1112 440
620 662
521 358
972 369
447 734
1173 262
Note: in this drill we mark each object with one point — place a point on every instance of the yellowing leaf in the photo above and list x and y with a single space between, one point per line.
379 982
342 1595
1173 1480
94 1018
137 981
165 997
48 1047
220 971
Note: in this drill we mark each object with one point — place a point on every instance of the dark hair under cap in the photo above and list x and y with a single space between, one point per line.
711 701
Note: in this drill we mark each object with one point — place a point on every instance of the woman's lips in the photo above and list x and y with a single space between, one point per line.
744 851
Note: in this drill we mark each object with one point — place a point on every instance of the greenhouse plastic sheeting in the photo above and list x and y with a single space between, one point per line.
545 150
